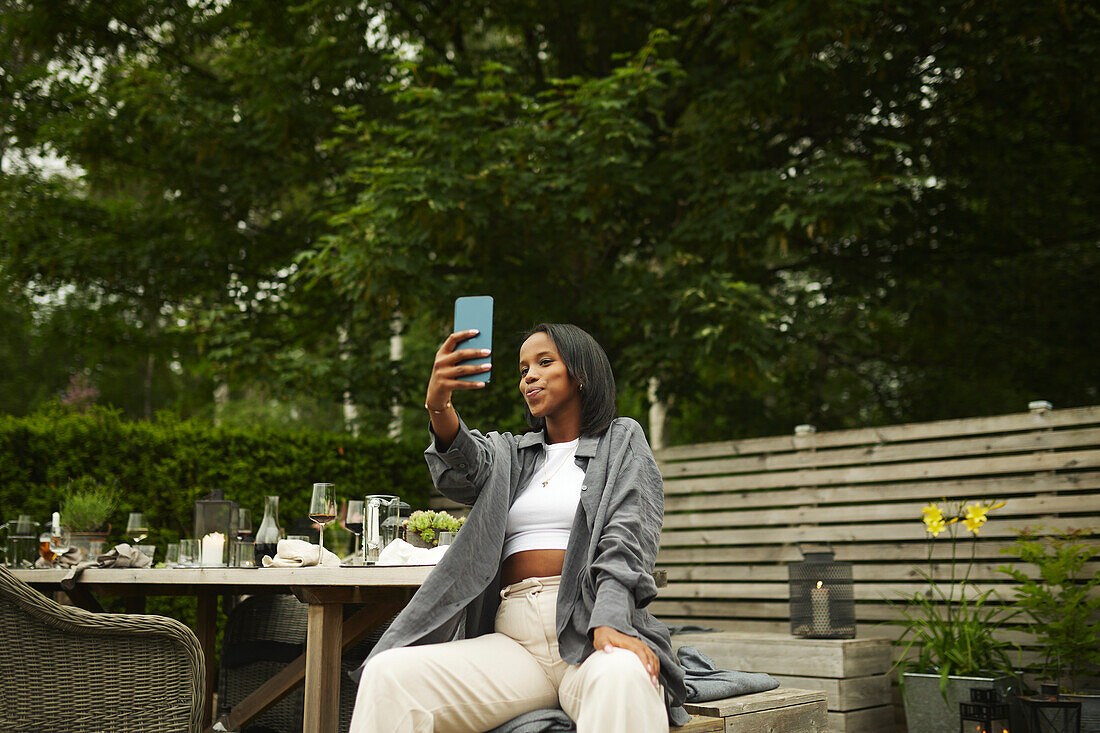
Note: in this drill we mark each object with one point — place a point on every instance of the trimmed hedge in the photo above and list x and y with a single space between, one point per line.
162 467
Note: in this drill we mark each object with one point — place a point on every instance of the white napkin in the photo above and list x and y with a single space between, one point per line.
400 552
300 554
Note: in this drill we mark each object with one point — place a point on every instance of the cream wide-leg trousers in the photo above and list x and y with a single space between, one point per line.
474 685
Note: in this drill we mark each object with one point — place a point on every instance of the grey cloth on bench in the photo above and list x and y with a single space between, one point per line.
703 681
551 720
689 629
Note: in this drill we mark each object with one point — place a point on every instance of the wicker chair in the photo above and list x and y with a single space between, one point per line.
262 635
65 669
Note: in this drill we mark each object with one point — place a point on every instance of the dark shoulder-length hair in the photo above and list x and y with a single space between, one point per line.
587 364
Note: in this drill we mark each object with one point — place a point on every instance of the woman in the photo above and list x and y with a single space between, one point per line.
540 601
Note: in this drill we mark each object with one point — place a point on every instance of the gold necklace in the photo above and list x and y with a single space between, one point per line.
555 473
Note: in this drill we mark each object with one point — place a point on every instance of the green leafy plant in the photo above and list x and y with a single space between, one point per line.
953 626
428 524
1065 620
88 504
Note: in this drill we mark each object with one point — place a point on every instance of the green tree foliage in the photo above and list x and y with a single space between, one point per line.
786 212
839 213
195 130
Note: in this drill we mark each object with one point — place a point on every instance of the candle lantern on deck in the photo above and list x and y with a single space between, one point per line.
215 528
822 605
985 713
1047 713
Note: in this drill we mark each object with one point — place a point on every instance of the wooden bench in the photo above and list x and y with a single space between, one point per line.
782 710
851 673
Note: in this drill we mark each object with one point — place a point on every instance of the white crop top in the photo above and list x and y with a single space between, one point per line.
541 517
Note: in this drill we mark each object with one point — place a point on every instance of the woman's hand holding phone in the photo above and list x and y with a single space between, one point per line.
444 380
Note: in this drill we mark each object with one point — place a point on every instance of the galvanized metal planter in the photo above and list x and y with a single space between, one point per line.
926 711
1090 709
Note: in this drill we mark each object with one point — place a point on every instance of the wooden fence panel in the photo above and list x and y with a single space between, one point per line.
736 512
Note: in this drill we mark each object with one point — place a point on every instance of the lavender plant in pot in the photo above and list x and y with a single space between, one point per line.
950 637
1061 602
86 509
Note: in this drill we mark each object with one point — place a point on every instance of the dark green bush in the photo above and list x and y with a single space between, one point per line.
162 467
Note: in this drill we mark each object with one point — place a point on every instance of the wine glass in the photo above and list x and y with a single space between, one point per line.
322 509
137 527
354 523
61 541
244 525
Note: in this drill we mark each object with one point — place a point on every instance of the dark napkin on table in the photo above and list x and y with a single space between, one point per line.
67 559
120 556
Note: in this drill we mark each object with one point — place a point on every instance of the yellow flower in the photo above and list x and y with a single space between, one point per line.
975 516
935 525
933 519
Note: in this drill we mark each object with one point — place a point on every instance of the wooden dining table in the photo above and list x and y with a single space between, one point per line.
382 591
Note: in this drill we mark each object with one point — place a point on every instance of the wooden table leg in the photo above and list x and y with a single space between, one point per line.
324 630
354 630
207 626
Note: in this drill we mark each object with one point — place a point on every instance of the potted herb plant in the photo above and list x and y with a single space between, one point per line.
951 628
422 528
86 509
1063 608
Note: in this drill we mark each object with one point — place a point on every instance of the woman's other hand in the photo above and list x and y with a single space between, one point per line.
444 380
605 638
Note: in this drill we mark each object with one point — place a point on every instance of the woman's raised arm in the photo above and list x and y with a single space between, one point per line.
444 380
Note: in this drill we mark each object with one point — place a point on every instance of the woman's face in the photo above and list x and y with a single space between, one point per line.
544 380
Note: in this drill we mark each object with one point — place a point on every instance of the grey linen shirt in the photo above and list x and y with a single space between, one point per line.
607 574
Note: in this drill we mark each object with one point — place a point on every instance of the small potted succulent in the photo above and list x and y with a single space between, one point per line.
86 509
422 528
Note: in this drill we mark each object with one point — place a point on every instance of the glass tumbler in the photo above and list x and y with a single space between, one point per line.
189 554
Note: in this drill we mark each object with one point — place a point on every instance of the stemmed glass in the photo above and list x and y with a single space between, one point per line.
60 541
322 509
244 525
354 523
137 527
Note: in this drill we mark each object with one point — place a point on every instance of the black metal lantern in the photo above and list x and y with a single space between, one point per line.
985 713
822 606
215 528
1047 713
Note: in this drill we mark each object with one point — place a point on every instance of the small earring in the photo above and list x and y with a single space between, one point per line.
581 388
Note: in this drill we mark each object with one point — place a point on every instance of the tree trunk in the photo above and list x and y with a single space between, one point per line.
351 410
397 352
657 412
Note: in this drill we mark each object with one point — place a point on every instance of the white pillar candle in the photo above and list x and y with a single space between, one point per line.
213 550
819 605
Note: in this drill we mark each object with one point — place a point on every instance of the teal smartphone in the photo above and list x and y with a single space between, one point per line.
475 311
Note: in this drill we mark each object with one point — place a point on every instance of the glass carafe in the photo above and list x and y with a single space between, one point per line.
380 520
20 542
267 536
